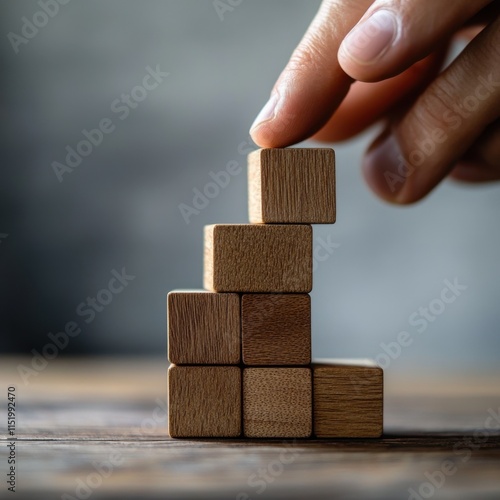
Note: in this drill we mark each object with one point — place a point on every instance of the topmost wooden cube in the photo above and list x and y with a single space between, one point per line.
292 185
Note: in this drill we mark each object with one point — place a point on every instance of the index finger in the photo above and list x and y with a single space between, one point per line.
313 84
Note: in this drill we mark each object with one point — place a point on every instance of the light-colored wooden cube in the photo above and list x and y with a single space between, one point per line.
203 328
276 329
258 258
204 401
348 399
292 185
277 402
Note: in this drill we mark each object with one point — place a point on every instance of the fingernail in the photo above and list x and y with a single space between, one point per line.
385 169
267 112
371 38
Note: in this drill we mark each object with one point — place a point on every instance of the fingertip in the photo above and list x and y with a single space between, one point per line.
262 136
387 173
296 116
379 168
265 115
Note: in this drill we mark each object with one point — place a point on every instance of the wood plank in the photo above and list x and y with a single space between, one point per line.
218 470
80 411
204 401
292 185
203 328
277 402
276 329
348 399
258 258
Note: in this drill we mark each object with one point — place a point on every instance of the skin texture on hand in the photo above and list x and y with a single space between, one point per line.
363 61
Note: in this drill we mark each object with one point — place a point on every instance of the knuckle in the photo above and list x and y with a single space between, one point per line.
309 55
434 104
492 46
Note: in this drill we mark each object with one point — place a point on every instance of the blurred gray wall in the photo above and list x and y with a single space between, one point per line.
120 207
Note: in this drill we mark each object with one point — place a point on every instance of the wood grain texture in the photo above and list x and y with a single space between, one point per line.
204 401
276 329
292 185
258 258
203 328
348 399
277 402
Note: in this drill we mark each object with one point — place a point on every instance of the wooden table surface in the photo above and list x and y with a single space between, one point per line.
78 414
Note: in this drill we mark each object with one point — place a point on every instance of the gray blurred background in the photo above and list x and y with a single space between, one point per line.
60 241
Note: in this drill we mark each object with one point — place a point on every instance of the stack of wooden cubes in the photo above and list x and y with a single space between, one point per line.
241 349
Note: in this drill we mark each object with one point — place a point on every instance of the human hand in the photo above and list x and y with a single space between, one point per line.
341 80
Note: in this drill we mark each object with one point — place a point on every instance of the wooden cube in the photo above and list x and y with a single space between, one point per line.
277 402
258 258
204 401
348 399
203 328
276 329
292 185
